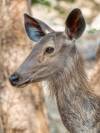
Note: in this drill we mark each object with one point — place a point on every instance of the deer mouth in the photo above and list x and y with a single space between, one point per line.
27 82
19 83
23 84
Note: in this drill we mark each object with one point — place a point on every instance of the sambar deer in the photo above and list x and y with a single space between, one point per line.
56 59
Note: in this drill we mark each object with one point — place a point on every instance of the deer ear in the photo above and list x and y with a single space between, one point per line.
75 24
35 28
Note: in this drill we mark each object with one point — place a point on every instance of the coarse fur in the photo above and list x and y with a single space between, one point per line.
78 106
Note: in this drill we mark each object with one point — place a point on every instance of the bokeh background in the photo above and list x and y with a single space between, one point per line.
32 109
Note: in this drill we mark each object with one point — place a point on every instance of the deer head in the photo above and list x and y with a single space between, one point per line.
51 50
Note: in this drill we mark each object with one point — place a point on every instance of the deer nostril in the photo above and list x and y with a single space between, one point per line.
14 78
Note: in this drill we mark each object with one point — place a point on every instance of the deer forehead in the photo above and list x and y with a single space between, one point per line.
55 39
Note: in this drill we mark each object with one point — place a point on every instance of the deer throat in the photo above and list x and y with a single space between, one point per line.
76 103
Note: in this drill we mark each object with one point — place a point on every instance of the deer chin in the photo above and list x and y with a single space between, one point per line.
25 83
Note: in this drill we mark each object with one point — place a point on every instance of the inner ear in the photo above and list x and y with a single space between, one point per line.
75 24
33 28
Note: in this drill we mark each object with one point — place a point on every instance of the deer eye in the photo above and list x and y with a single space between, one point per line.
49 50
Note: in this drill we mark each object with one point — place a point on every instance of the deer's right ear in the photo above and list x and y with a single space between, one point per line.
75 24
35 28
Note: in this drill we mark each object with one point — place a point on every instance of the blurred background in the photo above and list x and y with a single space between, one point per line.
32 109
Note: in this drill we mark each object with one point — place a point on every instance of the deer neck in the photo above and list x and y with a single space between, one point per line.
76 104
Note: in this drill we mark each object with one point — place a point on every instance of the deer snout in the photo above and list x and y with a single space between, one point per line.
14 79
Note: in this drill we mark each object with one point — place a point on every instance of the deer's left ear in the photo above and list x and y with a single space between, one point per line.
75 24
33 28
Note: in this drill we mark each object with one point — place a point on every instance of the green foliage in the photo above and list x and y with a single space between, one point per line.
92 31
69 0
42 2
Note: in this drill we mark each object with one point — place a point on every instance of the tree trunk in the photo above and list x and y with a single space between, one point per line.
22 110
